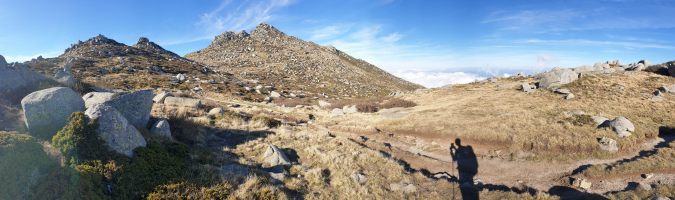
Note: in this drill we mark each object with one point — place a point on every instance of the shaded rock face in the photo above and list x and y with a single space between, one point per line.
273 156
135 106
17 80
161 128
115 130
557 77
47 111
65 76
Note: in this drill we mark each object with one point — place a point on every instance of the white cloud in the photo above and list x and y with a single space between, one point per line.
23 58
438 79
391 52
245 15
602 43
328 32
232 16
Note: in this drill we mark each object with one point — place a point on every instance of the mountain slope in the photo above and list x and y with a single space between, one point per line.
104 62
269 56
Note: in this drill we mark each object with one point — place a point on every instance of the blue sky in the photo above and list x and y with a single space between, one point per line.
428 42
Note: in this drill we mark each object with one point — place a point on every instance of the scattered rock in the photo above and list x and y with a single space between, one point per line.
273 156
660 198
667 89
161 128
622 126
527 87
93 98
557 77
600 121
275 94
647 176
581 183
159 98
608 144
217 111
181 77
182 102
324 104
47 111
336 112
359 177
562 91
569 96
350 109
115 130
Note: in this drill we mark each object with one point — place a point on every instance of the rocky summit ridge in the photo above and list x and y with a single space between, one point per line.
269 56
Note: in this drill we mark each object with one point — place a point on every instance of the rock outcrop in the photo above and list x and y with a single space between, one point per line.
47 111
273 156
115 130
135 106
557 77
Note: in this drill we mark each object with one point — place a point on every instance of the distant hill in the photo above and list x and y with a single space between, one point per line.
269 56
104 62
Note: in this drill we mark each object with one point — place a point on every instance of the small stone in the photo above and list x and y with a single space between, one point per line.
569 96
647 176
273 156
159 98
359 177
562 91
218 111
275 94
608 144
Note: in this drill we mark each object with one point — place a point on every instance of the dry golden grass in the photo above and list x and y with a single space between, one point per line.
497 116
326 165
663 160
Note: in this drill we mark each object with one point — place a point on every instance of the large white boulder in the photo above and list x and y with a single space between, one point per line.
557 77
622 126
115 130
47 111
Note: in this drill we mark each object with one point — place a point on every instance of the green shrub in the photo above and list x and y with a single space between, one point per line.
79 142
182 190
23 164
152 166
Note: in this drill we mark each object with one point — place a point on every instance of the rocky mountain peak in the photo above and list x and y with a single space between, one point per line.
266 30
3 62
147 45
231 36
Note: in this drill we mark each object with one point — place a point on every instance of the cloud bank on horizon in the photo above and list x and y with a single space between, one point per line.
431 43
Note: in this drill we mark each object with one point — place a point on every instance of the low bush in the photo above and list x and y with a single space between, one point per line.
182 190
23 164
154 165
79 142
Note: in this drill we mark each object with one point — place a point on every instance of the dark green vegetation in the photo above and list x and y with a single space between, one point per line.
80 166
